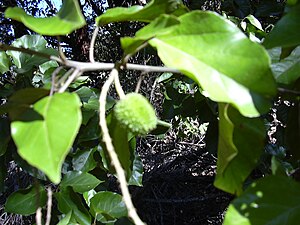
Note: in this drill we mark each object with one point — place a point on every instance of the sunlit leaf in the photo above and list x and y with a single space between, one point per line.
68 19
45 143
241 141
271 200
79 181
286 32
4 62
144 14
220 58
286 71
26 202
24 61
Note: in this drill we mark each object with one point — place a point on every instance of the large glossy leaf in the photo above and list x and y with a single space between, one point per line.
286 71
26 202
4 62
24 61
241 142
79 181
271 200
221 59
106 206
143 14
45 143
286 32
68 19
68 201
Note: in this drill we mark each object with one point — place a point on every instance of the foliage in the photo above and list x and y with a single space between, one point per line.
66 130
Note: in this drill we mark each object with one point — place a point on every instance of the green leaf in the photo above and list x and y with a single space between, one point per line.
286 71
68 19
221 59
292 131
4 135
137 172
45 143
24 202
84 160
4 62
26 62
21 102
107 206
241 141
68 201
272 200
66 219
120 138
79 181
144 14
286 32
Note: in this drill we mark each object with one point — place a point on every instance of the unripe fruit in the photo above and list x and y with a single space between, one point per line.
135 113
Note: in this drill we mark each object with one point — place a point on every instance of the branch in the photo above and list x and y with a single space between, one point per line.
90 66
288 91
92 44
111 151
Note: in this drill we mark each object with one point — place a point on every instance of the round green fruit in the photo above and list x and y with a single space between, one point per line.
136 114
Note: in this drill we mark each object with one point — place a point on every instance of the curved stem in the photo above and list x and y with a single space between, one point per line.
111 151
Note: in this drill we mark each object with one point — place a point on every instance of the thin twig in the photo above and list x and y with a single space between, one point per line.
53 76
118 87
5 47
139 83
128 56
92 44
71 78
49 206
283 90
38 216
60 51
89 66
110 148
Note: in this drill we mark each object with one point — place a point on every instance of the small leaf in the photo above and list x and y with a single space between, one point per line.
68 201
80 182
109 204
139 13
137 172
24 202
84 160
286 71
272 200
4 62
68 19
45 143
241 141
66 219
286 32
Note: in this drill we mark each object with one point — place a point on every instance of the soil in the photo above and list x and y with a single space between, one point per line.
178 183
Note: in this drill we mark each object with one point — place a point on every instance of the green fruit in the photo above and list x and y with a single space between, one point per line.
136 114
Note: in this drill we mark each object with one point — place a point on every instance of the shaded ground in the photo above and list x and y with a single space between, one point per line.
178 183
